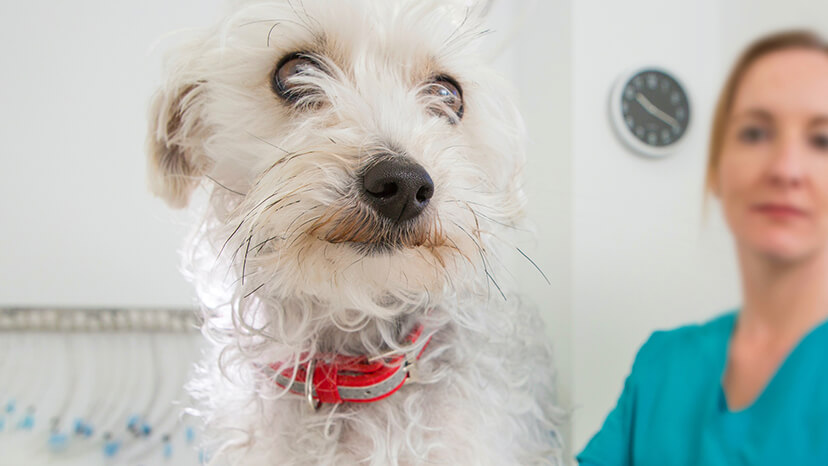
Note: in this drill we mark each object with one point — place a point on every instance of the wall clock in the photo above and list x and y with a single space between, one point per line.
650 110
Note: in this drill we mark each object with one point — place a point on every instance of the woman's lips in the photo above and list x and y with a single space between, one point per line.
779 210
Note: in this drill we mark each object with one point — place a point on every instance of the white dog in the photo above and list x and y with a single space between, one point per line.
362 168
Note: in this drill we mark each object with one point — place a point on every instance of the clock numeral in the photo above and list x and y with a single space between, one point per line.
681 114
652 139
630 122
675 98
665 136
652 81
640 131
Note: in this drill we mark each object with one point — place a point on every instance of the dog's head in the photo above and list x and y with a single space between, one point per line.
357 152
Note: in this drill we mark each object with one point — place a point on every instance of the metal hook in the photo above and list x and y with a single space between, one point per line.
314 405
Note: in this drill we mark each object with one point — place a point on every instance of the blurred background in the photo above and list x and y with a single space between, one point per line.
626 241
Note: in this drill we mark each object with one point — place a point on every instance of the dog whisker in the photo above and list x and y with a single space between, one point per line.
229 238
476 223
268 142
258 21
223 186
243 242
277 21
467 37
482 254
253 227
286 233
488 274
358 260
270 31
466 16
258 247
535 265
487 217
291 156
299 227
306 19
246 252
294 192
254 291
297 230
239 280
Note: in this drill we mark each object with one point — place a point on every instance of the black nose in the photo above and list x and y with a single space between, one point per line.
397 188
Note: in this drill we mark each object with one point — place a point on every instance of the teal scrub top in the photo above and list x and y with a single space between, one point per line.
673 410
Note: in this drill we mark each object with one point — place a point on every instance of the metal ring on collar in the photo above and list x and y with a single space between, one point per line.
314 405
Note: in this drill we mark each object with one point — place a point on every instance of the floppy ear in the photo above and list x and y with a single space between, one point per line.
175 143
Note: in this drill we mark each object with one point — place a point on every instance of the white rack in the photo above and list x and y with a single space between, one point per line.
97 387
22 319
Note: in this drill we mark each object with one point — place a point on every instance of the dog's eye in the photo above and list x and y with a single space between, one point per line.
448 91
285 84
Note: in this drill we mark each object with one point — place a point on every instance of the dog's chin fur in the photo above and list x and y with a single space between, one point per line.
290 261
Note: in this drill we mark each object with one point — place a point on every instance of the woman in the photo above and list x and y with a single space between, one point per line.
749 387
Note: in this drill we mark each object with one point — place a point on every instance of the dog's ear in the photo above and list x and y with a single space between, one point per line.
175 142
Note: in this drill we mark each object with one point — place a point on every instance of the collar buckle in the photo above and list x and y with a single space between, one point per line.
314 404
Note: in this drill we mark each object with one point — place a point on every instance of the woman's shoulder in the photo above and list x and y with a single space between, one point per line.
695 343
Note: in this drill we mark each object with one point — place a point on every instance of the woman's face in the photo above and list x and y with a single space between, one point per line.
773 173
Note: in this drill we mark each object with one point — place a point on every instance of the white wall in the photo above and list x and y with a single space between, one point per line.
78 225
743 20
543 76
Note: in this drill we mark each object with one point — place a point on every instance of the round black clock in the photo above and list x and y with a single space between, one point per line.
650 111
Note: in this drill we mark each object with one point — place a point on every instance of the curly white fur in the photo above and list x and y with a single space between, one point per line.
278 284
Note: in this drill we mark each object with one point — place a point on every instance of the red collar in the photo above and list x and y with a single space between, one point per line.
356 379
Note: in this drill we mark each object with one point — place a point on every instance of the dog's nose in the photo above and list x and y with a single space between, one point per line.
397 188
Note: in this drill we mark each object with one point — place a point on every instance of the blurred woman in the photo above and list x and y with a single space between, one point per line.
749 387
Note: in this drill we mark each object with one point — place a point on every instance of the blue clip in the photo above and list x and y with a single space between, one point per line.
11 406
189 434
2 424
81 428
111 448
58 441
133 425
27 423
167 450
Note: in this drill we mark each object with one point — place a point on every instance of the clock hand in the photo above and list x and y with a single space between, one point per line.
656 112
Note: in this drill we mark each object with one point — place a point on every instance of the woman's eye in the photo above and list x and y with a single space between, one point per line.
820 141
753 134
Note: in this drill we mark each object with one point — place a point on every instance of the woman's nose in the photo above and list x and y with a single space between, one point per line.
788 165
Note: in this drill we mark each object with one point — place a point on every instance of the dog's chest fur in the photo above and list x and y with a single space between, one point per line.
477 399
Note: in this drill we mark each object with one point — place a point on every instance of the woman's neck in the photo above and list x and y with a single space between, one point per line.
783 300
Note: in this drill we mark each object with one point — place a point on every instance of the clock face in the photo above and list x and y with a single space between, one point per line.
652 110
